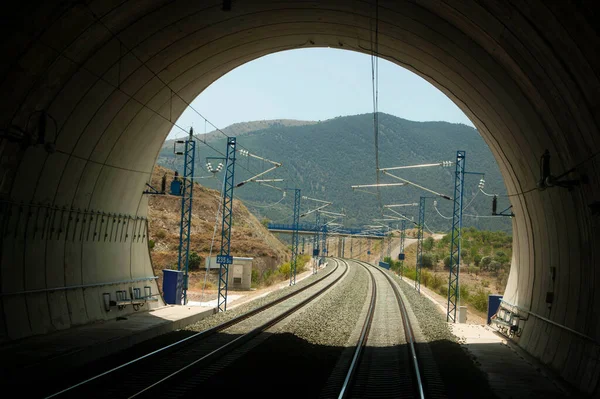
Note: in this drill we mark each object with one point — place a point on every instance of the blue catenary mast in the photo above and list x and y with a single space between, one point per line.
294 260
186 210
316 241
225 258
419 263
455 242
402 240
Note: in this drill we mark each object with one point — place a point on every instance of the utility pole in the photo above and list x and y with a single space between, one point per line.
419 263
187 196
455 242
316 242
294 260
225 258
401 254
389 247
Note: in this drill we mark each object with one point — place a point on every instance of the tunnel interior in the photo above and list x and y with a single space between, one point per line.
104 81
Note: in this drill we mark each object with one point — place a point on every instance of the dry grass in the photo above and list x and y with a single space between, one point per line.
248 237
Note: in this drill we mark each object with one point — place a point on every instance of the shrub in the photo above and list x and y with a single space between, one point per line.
427 260
479 300
255 277
447 262
194 261
501 257
301 264
436 282
410 273
485 262
285 269
495 266
464 291
485 283
160 234
477 259
151 244
426 277
428 244
443 290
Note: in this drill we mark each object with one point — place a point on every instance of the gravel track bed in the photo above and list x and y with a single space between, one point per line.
460 377
307 344
219 318
330 319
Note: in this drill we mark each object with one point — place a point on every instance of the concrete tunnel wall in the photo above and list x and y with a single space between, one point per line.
525 73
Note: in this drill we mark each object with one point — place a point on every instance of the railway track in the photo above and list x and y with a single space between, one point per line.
384 363
163 369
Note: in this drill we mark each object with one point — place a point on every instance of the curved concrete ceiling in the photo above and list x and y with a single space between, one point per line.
114 76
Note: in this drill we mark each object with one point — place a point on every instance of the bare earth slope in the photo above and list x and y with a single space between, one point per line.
249 237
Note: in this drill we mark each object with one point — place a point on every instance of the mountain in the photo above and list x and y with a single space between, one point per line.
241 128
326 158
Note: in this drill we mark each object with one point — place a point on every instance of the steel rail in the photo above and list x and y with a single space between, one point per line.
408 331
225 349
410 336
362 341
195 337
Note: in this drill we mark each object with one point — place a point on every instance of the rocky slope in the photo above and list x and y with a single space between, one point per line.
249 237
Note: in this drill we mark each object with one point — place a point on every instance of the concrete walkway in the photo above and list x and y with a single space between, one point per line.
80 345
511 372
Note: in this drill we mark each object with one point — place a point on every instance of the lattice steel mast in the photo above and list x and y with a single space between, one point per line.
455 243
419 263
225 258
187 195
294 260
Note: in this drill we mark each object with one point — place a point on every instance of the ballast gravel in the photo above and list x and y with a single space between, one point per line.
330 319
223 317
432 322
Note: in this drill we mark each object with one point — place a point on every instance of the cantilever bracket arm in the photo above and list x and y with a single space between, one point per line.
152 190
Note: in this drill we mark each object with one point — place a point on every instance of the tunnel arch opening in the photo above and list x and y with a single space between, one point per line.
525 75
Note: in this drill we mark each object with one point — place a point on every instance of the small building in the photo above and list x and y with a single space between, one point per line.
240 272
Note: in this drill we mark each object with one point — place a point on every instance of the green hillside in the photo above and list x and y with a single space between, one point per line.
325 158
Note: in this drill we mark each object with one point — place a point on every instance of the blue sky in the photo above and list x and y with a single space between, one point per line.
316 84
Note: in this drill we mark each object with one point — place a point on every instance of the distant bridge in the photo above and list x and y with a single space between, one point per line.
311 229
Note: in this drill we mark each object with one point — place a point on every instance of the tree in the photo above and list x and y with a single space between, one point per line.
427 260
501 257
485 262
428 244
447 261
265 222
495 266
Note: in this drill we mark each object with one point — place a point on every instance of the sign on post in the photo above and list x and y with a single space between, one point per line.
224 259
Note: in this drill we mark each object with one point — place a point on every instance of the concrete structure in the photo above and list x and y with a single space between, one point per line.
240 272
526 73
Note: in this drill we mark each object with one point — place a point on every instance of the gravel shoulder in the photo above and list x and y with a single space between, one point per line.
219 318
